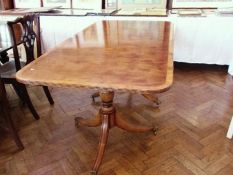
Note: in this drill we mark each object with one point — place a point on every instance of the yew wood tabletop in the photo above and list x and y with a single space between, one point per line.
131 56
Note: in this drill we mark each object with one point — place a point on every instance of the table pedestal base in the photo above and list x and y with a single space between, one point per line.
107 118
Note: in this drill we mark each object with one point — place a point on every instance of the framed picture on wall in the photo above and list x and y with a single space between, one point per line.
201 3
56 3
158 4
27 3
110 4
88 4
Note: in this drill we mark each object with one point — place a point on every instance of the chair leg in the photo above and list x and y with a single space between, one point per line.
12 129
28 101
18 92
48 95
93 96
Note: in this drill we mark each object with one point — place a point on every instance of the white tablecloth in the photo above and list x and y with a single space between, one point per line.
204 40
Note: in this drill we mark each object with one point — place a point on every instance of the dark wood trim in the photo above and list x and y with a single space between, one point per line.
103 4
169 4
7 4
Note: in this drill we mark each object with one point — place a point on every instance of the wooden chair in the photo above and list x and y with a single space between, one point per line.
30 33
5 113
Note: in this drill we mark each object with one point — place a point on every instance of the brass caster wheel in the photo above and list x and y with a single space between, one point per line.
157 103
155 131
95 95
77 123
93 173
93 98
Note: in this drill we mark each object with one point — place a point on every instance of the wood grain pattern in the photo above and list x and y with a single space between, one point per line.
122 55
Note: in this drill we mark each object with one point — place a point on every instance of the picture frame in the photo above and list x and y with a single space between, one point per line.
87 4
57 3
202 3
27 3
110 4
132 4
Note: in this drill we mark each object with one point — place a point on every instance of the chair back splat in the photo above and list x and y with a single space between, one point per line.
30 33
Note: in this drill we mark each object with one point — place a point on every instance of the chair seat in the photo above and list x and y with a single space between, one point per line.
8 69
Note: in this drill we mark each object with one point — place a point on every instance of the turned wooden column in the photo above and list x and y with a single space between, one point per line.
149 96
108 118
107 113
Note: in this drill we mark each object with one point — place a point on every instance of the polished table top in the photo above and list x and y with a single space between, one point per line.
120 55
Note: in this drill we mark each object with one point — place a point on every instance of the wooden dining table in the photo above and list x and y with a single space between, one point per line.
131 56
